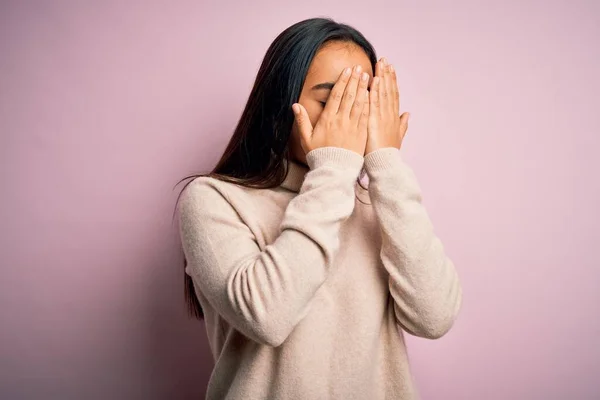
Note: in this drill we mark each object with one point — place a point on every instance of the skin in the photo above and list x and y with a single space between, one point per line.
326 68
385 127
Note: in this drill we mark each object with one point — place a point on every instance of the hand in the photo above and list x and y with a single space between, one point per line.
385 127
343 121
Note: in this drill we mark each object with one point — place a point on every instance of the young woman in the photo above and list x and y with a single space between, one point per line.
307 279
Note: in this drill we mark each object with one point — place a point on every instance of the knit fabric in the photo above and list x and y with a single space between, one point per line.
306 290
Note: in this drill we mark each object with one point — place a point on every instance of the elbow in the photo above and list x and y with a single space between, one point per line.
269 326
268 316
439 319
266 331
429 328
431 323
434 329
439 323
271 334
273 340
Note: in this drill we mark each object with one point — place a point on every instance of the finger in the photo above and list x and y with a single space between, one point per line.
363 121
335 96
303 121
378 70
395 89
403 125
361 97
382 90
386 89
404 120
374 99
350 92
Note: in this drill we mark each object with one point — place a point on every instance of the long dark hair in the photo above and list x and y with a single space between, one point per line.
258 148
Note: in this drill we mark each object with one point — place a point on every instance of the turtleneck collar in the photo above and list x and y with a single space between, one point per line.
295 175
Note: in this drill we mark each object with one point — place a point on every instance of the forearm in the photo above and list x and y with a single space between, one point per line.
264 294
423 280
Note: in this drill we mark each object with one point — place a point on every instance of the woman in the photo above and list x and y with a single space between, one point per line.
305 278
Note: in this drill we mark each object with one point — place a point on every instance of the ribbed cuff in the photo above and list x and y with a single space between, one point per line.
338 156
382 159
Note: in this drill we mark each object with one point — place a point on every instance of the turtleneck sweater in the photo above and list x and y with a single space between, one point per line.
308 288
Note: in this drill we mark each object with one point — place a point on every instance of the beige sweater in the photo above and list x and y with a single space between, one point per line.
306 290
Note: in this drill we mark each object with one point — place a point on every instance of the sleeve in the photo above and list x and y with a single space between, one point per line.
423 282
265 294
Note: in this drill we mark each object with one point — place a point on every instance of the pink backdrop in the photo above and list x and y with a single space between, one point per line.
105 105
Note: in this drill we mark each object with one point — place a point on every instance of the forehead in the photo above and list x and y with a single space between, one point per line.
333 57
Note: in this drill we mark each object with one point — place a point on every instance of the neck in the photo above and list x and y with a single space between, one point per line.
296 171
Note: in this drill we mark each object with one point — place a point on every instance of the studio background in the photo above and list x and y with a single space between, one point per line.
104 106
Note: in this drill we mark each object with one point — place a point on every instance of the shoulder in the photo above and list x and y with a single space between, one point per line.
203 192
209 206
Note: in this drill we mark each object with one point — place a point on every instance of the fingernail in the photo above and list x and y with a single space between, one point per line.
358 68
365 76
384 61
347 71
391 68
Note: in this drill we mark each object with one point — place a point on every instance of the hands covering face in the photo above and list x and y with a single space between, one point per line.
354 117
385 127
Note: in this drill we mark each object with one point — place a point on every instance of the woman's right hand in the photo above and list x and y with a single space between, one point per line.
343 122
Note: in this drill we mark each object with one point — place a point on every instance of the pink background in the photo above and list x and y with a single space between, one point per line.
105 105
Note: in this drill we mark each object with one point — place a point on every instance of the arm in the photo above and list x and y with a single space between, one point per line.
422 279
265 294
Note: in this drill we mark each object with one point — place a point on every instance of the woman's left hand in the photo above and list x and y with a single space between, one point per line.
385 127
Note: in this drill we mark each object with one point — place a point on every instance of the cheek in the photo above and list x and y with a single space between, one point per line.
314 111
313 108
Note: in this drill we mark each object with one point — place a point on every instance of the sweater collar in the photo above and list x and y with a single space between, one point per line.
296 172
